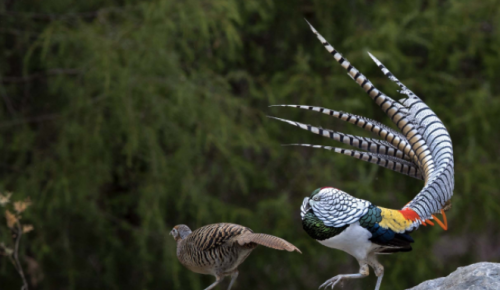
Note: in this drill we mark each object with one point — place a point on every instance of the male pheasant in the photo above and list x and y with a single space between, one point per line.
219 249
422 149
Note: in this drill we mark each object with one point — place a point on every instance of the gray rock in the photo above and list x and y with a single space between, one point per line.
484 276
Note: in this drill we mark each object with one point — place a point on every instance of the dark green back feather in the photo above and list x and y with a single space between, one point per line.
373 216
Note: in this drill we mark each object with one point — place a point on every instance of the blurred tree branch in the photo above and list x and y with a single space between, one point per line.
29 78
17 264
68 16
17 229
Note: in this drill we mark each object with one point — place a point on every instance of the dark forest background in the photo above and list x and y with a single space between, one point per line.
121 119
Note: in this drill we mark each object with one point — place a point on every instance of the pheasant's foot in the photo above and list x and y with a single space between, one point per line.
234 275
218 279
331 282
335 280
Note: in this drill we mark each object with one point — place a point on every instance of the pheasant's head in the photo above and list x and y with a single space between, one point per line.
322 195
180 232
317 196
324 199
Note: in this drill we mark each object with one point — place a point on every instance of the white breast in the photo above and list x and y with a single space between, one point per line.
354 240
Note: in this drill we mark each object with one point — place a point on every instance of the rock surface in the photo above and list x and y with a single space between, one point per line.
484 276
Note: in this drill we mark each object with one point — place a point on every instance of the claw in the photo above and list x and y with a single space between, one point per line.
335 280
331 282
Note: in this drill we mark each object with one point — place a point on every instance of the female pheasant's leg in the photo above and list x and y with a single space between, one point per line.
218 279
363 272
233 278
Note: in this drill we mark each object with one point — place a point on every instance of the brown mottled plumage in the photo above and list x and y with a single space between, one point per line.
219 249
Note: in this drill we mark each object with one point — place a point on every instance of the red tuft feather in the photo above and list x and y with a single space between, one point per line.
409 214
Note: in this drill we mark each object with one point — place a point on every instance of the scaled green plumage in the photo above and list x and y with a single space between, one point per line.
372 217
317 229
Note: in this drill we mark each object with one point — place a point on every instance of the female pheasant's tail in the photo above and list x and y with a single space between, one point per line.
267 241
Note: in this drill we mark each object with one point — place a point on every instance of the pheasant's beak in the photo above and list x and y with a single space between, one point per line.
307 204
305 207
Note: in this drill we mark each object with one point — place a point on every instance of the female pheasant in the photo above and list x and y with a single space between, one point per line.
422 149
219 249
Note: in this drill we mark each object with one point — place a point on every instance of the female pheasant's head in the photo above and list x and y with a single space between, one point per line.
180 232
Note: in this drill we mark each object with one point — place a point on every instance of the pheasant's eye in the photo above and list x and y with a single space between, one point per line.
316 198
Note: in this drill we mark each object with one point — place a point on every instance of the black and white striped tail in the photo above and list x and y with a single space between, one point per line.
386 161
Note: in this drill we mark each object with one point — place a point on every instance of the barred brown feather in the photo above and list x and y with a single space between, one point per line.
266 240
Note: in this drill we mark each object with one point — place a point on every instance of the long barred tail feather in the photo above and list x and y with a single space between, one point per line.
365 143
387 73
397 112
395 138
363 122
426 120
392 108
386 161
440 182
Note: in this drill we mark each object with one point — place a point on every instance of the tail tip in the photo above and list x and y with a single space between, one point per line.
310 26
377 62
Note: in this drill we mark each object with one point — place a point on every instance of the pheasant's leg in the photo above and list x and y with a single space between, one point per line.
218 279
379 281
364 271
233 278
379 272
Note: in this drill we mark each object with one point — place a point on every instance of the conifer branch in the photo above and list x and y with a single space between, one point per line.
29 78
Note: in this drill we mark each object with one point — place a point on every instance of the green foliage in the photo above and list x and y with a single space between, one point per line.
121 119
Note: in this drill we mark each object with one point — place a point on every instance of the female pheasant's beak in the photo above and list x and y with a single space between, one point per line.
174 233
